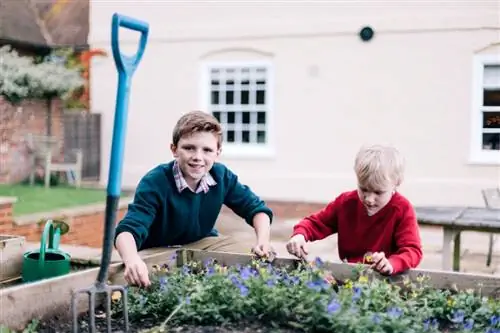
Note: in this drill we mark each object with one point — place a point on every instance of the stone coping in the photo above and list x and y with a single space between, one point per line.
68 212
7 200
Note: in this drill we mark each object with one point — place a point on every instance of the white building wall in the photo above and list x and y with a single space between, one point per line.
410 86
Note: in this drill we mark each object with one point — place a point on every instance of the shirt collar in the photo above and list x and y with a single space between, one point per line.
206 181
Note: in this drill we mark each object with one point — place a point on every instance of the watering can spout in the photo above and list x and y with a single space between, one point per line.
48 261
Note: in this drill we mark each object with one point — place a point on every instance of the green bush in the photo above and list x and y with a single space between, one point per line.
307 299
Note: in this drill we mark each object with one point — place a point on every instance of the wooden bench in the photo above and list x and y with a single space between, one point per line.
454 220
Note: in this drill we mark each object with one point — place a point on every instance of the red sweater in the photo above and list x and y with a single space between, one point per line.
393 230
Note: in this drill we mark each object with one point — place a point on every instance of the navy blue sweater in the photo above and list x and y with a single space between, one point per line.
161 216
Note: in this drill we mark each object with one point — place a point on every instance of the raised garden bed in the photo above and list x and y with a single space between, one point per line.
221 292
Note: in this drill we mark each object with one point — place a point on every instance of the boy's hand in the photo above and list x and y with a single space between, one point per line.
261 249
381 264
136 272
297 246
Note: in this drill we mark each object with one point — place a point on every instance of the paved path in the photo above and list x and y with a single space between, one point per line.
474 245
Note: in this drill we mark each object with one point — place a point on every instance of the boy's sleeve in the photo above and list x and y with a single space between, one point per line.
408 243
242 201
143 209
320 224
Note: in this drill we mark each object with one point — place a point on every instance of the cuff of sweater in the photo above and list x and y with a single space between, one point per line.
300 231
398 265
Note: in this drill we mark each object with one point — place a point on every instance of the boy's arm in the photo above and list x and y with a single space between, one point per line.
133 229
408 243
246 204
320 224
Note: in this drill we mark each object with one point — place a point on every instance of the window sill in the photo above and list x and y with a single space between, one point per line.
247 152
484 159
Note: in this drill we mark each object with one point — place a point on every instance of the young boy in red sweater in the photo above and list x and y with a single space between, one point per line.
373 221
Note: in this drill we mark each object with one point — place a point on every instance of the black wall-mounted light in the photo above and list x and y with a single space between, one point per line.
366 33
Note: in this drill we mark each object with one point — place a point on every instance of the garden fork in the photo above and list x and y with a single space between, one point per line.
126 66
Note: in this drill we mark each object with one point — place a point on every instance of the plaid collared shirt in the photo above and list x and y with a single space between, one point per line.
206 181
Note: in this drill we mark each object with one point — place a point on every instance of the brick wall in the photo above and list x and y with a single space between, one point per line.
30 117
86 227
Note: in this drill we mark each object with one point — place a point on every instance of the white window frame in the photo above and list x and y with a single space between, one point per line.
477 154
239 150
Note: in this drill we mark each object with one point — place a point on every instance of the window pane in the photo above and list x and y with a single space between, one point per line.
246 118
491 119
491 97
261 117
229 97
491 141
216 114
245 136
215 98
261 136
230 118
230 136
245 97
491 76
261 97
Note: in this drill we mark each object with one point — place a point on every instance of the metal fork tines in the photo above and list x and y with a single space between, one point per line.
92 292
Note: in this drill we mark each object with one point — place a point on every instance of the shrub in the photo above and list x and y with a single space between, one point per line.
24 78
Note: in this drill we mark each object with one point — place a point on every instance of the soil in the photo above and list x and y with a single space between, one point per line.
63 325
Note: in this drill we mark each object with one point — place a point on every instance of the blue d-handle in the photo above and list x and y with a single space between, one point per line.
124 63
126 66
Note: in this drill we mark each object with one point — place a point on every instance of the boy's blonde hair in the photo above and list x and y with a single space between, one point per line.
194 122
376 165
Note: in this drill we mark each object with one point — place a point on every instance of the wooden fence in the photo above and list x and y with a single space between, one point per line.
82 130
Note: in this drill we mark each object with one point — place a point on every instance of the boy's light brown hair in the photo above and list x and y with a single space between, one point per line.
377 166
194 122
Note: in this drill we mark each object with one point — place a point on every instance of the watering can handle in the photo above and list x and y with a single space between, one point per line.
54 236
125 64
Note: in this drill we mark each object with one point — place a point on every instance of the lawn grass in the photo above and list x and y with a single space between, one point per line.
37 199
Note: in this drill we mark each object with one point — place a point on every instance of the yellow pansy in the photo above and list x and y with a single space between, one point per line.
363 279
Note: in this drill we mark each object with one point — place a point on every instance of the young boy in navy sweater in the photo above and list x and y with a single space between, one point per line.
375 224
178 203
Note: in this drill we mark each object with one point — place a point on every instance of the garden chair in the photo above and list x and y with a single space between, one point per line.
44 148
491 198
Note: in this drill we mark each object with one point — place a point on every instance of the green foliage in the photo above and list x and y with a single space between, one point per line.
307 299
31 328
24 77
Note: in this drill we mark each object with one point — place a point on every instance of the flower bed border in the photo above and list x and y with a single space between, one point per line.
19 309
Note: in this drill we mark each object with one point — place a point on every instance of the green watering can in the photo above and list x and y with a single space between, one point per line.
47 262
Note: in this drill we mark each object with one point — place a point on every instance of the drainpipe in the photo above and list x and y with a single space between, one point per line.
49 116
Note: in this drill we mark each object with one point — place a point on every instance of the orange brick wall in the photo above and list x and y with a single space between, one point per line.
87 229
30 117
